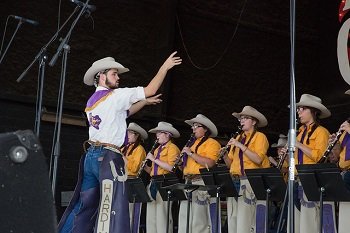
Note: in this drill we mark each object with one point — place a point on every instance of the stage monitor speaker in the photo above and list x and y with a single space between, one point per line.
26 201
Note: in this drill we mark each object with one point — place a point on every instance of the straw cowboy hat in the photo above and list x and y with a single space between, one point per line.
138 129
250 111
201 119
282 141
101 65
167 127
347 92
314 102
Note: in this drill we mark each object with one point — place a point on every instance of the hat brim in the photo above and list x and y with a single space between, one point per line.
262 121
173 131
324 111
210 125
347 92
139 130
90 73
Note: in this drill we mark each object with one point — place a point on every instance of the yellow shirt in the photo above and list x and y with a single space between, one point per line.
168 154
259 144
209 149
135 159
317 143
344 165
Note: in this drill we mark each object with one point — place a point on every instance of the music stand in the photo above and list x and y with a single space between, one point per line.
219 177
188 188
322 182
267 184
162 182
136 194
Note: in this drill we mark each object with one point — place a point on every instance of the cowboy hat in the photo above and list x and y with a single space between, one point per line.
206 122
100 65
167 127
308 100
282 141
138 129
347 92
250 111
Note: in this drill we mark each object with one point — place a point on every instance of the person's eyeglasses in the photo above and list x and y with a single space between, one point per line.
196 126
244 118
301 108
164 132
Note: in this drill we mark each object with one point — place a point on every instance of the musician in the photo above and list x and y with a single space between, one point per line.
311 143
202 154
133 151
102 169
248 150
163 160
344 165
280 145
134 154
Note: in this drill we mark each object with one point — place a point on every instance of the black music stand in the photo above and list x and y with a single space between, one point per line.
220 178
162 182
188 188
136 194
267 184
322 182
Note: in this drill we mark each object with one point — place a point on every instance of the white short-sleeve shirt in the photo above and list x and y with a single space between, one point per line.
107 111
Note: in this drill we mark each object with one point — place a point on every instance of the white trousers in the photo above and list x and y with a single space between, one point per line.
156 215
201 213
241 214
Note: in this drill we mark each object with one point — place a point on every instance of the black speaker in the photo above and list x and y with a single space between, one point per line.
26 201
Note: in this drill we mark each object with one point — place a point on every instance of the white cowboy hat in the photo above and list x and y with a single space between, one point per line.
167 127
101 65
250 111
347 92
135 127
201 119
308 100
282 141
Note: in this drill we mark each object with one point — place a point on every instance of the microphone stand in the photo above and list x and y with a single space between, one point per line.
292 121
64 45
42 58
13 36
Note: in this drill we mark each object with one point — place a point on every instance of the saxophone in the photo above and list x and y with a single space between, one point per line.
190 141
144 162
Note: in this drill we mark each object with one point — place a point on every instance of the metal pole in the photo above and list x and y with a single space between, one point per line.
292 121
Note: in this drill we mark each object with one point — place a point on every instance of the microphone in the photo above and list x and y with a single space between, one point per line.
25 20
90 8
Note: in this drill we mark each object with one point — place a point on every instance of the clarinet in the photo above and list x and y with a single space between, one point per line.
144 162
282 158
330 146
226 149
190 141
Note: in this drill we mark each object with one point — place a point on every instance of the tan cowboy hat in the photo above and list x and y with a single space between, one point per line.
314 102
250 111
201 119
167 127
282 141
101 65
347 92
135 127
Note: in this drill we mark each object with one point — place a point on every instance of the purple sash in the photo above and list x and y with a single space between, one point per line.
300 152
346 143
155 171
240 155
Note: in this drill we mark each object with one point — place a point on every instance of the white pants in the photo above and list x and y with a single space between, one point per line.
241 214
156 215
344 213
200 214
308 218
135 214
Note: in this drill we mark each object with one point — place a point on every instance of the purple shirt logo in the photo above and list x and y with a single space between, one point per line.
94 121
